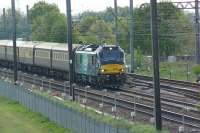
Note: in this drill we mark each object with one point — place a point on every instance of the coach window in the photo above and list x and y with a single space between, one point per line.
36 53
65 57
54 56
30 53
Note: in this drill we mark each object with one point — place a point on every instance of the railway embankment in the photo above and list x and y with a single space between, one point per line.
72 115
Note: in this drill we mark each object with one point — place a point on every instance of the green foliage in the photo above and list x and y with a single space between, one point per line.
171 22
22 27
17 119
95 30
138 57
108 119
175 70
172 25
48 24
176 32
196 70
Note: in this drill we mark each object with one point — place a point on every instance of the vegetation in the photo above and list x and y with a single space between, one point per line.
121 123
48 24
176 70
22 27
196 70
16 119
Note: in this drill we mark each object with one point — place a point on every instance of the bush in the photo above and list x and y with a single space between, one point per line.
196 70
138 57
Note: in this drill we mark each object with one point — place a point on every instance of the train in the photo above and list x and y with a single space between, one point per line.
101 65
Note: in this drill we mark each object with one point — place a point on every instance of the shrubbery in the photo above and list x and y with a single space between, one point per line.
196 69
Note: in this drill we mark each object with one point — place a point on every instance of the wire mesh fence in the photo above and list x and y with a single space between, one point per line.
55 111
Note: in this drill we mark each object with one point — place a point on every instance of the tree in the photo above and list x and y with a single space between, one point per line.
175 27
171 23
47 23
6 32
95 30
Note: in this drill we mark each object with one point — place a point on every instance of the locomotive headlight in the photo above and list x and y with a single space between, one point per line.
122 70
102 70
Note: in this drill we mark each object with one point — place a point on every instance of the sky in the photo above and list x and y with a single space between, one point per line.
78 6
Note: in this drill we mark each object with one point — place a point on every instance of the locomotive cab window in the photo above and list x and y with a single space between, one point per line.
111 55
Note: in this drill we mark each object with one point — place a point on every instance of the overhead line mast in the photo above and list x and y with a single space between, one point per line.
116 23
132 36
156 70
197 28
69 40
14 40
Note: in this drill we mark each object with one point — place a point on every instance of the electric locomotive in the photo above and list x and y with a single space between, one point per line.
102 65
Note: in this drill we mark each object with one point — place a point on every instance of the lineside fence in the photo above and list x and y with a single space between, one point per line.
55 111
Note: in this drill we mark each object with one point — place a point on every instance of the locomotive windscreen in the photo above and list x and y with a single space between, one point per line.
111 55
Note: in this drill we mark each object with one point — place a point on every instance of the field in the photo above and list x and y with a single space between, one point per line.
175 70
16 119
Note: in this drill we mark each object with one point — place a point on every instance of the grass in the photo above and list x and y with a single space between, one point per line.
16 119
175 71
170 70
122 123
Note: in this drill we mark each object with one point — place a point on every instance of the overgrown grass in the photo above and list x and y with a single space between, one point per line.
16 119
176 71
122 123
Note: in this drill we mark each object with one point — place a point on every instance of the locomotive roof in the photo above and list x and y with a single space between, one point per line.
93 47
88 48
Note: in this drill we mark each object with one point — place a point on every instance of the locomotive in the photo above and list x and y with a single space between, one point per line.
102 65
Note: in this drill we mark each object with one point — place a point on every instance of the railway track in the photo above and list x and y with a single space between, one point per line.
187 89
124 101
177 82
